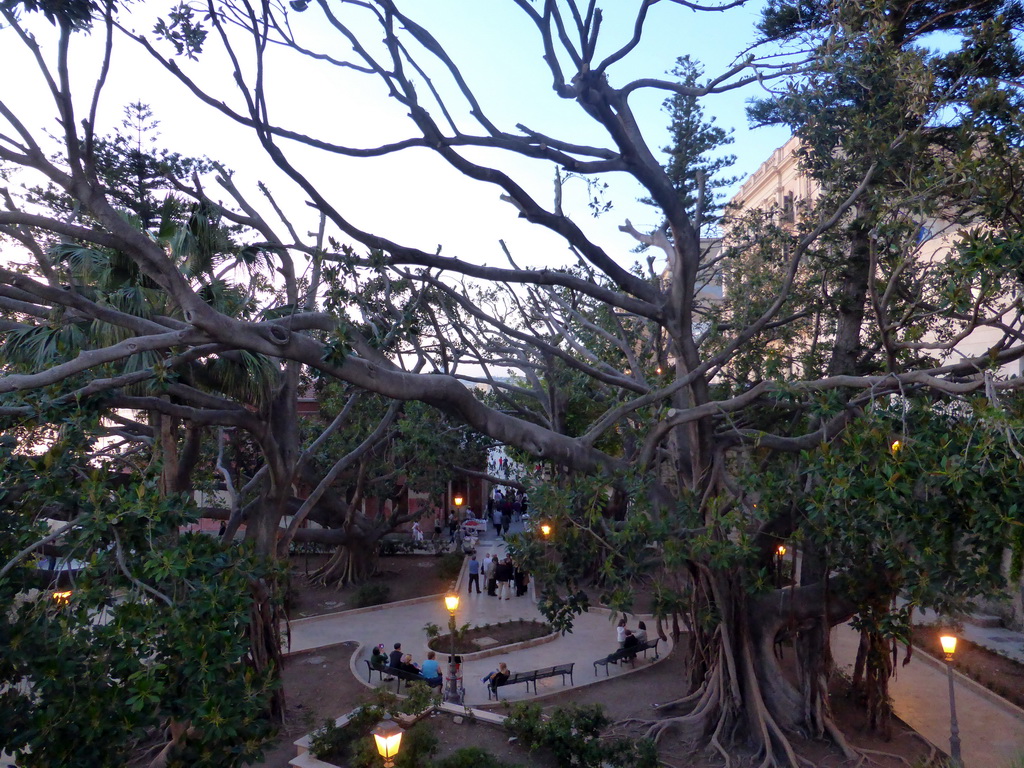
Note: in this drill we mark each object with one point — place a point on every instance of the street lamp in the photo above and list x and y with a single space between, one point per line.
451 602
545 530
388 737
458 501
781 553
949 648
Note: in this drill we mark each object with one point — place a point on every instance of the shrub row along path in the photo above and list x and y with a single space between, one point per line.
992 734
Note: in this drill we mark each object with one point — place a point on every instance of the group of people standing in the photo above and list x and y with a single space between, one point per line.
505 509
429 669
503 578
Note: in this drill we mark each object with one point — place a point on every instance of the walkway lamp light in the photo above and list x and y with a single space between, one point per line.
545 529
454 695
388 737
458 501
780 552
949 648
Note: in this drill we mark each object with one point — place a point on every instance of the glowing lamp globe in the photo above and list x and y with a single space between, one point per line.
782 550
388 737
451 601
458 501
948 645
545 529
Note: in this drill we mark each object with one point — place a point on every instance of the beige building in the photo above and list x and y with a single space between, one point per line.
779 185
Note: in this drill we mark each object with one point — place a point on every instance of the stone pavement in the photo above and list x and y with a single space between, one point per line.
992 733
991 729
592 638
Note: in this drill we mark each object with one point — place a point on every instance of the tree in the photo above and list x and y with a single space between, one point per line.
704 457
168 676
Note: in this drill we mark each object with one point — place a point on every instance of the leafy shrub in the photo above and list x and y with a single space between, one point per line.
328 739
449 566
419 744
471 757
418 697
333 743
572 736
372 594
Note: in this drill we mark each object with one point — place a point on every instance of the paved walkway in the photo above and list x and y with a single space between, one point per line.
593 637
992 735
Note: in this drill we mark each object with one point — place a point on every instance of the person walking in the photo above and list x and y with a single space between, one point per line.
492 577
474 574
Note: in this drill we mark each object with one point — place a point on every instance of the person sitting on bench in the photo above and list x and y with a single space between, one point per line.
379 660
629 646
430 670
497 677
641 633
406 665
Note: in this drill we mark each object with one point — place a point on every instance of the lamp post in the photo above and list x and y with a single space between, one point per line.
454 695
388 737
949 648
781 553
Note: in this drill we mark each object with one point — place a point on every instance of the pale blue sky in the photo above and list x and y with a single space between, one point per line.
414 198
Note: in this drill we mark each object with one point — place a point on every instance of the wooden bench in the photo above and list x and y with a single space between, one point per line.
627 654
398 674
532 677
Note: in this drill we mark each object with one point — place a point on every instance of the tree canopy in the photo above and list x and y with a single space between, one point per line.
670 449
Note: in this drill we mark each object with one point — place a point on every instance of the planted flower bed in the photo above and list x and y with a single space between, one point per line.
488 636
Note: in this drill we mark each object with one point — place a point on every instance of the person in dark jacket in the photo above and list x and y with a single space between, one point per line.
629 645
396 656
503 576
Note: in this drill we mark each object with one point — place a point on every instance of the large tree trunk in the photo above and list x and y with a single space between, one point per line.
351 563
745 688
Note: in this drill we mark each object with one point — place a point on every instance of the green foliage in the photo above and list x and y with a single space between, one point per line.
372 594
573 736
419 744
351 743
450 566
155 629
330 739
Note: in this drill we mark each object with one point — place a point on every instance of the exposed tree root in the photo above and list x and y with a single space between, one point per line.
867 752
348 565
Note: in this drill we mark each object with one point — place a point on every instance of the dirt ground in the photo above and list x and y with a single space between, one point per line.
407 576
